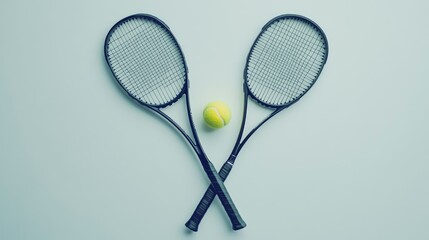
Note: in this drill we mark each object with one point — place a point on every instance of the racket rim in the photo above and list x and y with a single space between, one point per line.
220 189
263 30
158 21
241 138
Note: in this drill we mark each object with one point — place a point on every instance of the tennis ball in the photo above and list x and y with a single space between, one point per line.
217 114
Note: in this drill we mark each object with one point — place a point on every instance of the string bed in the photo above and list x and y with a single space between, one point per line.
147 61
285 61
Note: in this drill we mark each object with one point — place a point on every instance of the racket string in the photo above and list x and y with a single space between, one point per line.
282 71
295 85
267 40
289 55
280 53
133 65
130 60
147 61
285 61
129 57
165 92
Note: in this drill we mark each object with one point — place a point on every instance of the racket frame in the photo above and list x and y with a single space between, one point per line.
264 29
205 202
216 181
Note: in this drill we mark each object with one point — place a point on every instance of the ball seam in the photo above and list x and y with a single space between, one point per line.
219 115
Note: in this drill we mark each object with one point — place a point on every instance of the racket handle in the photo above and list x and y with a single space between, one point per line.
229 206
207 200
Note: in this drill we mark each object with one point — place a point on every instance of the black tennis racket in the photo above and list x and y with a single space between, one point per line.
149 65
284 62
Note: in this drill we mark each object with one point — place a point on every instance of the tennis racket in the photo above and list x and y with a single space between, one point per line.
284 62
147 62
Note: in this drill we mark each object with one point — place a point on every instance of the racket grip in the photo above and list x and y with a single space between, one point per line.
207 200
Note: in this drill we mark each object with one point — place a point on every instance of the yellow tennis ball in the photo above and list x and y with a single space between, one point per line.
217 114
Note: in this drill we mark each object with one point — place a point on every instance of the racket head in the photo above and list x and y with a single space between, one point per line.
146 60
285 60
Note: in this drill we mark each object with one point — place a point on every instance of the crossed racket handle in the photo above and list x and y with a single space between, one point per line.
209 196
226 168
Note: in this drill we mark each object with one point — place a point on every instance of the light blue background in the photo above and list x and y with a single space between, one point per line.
79 160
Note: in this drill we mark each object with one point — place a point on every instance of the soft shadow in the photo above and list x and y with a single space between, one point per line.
208 129
187 231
